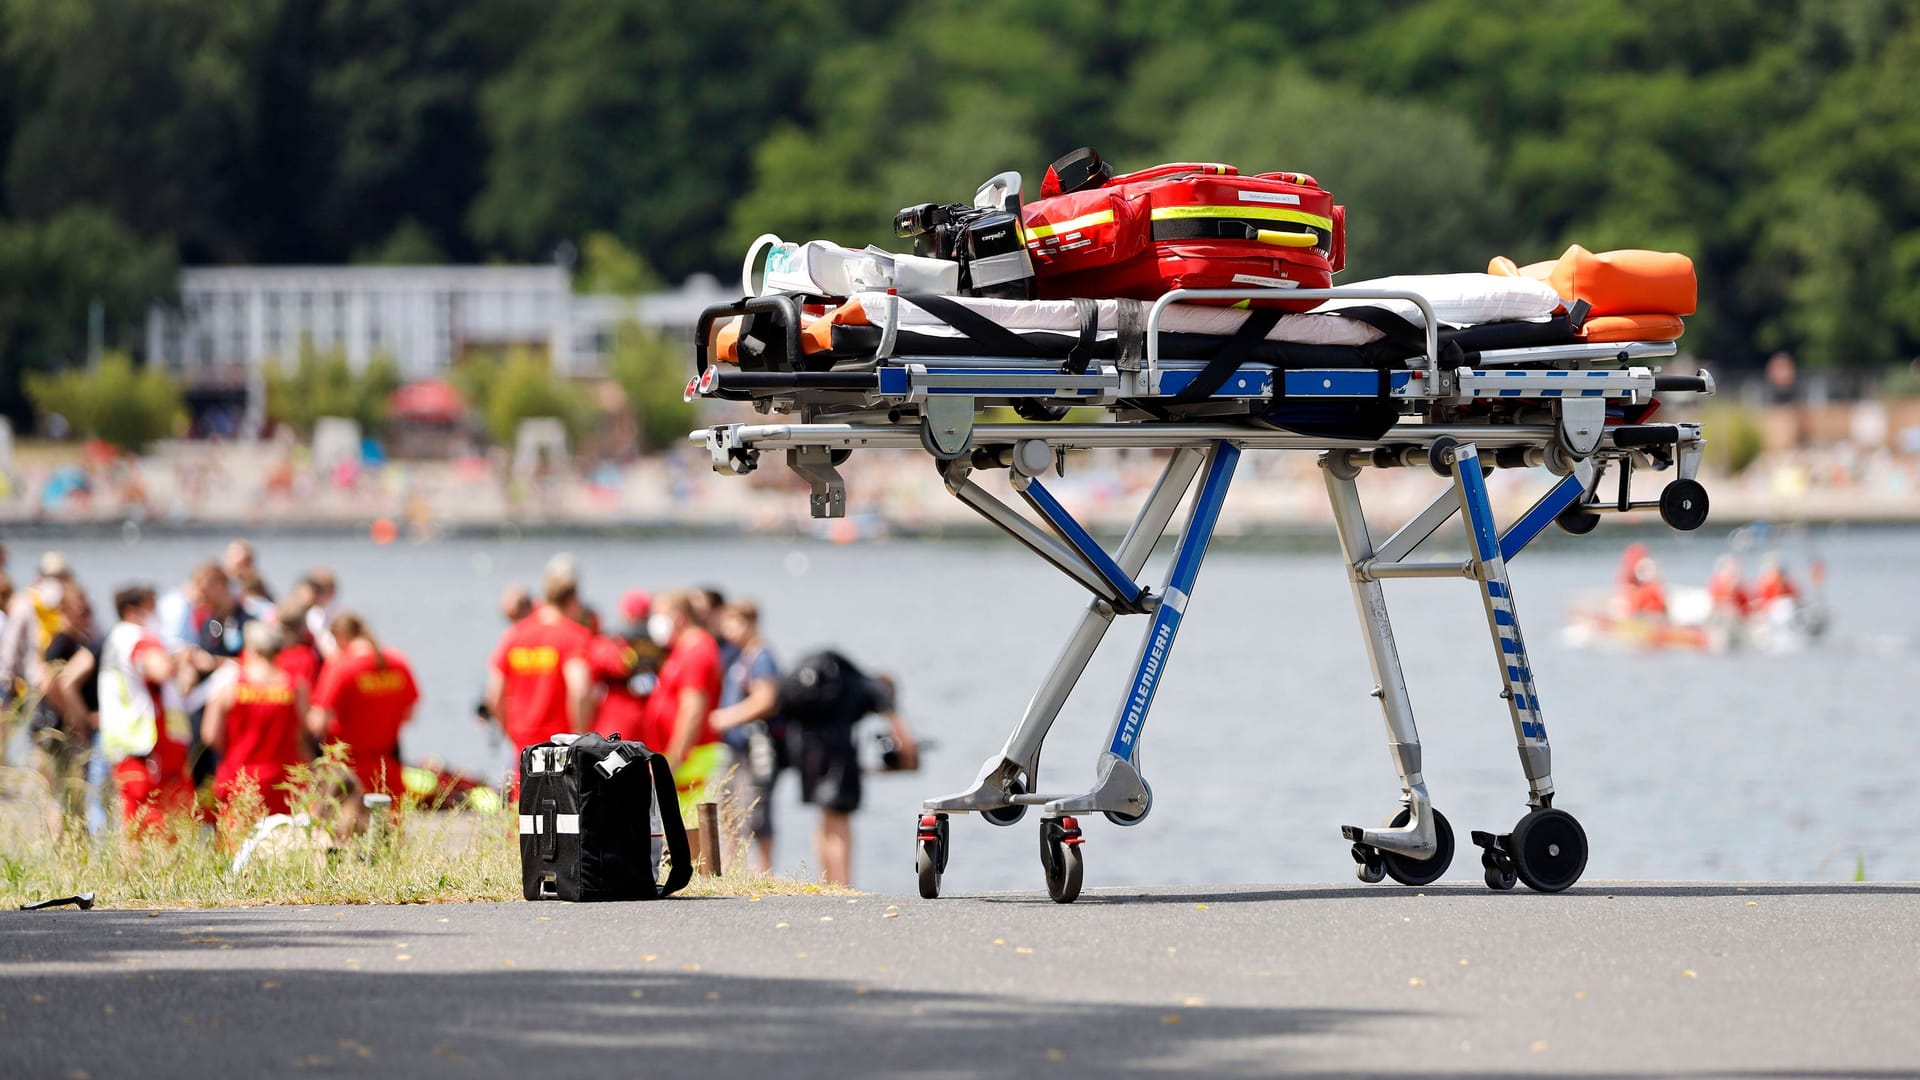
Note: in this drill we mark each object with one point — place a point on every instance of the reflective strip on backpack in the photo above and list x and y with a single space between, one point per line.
1084 221
527 827
1261 213
566 823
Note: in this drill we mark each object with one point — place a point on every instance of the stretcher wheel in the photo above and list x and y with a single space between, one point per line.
1577 521
1410 871
1499 871
1038 411
1548 849
1440 455
1008 815
930 854
1683 505
1367 865
840 456
1129 820
1060 859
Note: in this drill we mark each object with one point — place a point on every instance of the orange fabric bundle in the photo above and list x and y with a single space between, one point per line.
1625 282
816 332
1633 328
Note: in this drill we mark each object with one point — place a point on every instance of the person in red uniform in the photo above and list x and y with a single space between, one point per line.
1725 589
253 722
366 695
688 690
299 657
625 667
1774 583
143 724
539 681
1647 596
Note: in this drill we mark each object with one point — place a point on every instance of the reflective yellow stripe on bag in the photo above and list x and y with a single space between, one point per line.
1250 213
1059 228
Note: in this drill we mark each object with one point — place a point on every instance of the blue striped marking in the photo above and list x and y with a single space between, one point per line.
1089 548
1519 674
1532 730
1495 588
1536 520
1166 619
1510 646
893 380
1479 511
1502 618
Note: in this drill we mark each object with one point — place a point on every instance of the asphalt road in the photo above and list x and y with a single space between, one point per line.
1610 978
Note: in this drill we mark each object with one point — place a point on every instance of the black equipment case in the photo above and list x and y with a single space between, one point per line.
587 814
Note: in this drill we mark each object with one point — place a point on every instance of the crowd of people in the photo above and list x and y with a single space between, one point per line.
176 701
688 674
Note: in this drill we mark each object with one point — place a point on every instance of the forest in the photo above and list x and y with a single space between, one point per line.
1774 141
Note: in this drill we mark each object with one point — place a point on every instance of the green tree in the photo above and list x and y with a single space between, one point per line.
114 401
325 384
521 385
609 266
652 371
52 273
638 116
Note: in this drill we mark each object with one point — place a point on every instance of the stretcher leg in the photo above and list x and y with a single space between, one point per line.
1014 771
1503 623
1119 792
1418 835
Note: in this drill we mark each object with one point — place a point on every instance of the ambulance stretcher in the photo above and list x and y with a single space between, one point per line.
1450 404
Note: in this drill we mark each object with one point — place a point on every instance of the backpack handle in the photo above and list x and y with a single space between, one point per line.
1175 168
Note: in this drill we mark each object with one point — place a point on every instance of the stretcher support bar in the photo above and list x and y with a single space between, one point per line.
1124 587
1178 295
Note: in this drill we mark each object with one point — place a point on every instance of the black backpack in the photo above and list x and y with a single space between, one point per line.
588 806
815 691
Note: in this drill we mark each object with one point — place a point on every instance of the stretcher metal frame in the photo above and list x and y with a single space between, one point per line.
1547 849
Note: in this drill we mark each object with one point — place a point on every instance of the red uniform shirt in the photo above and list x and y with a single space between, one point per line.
263 739
622 712
531 660
301 663
370 695
692 664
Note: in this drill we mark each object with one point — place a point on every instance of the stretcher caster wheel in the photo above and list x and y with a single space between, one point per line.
1008 815
1683 505
1130 820
1548 849
839 457
1060 858
1440 455
1499 871
1577 521
930 854
1411 871
1367 865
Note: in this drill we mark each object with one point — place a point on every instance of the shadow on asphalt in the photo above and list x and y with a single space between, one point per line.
266 1021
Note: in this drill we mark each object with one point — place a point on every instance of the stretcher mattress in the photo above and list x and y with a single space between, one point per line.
1476 310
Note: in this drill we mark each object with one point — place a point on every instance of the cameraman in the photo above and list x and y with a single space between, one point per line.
823 699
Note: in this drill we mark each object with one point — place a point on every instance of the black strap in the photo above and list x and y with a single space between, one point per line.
1233 229
668 796
1080 169
1088 314
1260 322
992 337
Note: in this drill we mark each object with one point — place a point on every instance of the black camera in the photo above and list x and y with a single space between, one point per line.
987 242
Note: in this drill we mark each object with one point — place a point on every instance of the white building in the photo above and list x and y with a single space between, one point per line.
232 323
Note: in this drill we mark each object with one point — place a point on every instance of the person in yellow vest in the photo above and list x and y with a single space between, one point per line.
33 618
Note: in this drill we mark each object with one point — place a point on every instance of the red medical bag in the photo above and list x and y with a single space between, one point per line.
1187 226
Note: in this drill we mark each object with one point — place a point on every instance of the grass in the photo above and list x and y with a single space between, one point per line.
428 857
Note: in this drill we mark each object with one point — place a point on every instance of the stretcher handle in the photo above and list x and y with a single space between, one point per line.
737 385
1695 384
785 310
1627 436
1177 295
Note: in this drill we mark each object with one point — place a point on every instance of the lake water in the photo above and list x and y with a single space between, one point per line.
1263 740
